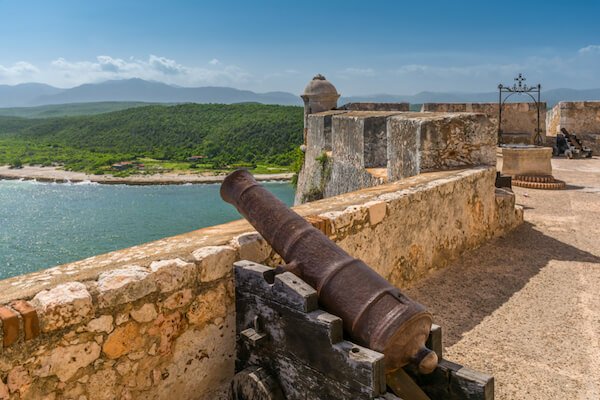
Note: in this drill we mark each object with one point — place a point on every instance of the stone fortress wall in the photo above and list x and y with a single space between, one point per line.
350 150
360 145
578 117
519 120
156 321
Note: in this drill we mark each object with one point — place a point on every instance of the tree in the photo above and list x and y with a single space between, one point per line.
16 164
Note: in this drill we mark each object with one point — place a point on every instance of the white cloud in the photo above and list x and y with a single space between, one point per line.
357 72
70 73
465 71
214 61
110 64
591 49
166 66
17 72
477 77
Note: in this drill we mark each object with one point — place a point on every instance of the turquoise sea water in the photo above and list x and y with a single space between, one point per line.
47 224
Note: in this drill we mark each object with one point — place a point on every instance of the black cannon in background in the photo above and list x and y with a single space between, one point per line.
569 145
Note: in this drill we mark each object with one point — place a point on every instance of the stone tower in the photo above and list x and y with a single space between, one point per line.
319 95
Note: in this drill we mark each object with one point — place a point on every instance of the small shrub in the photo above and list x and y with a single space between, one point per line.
16 164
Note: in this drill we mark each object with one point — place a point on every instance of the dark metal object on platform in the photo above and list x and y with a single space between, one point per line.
571 146
375 314
520 88
287 348
503 181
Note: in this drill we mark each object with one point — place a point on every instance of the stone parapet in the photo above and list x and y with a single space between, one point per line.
519 120
351 150
157 320
422 142
376 106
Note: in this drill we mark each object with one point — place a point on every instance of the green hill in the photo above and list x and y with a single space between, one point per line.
73 109
224 134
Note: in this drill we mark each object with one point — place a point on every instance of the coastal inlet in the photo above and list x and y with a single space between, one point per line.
47 224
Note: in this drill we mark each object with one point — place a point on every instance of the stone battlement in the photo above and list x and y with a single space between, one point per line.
519 120
350 150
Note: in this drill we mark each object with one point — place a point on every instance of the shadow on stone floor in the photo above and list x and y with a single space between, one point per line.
461 295
573 187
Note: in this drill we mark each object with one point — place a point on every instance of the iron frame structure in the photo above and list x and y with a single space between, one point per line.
505 92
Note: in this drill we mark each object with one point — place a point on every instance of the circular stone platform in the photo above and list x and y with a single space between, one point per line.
530 166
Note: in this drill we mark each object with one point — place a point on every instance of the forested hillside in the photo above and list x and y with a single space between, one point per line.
223 134
70 109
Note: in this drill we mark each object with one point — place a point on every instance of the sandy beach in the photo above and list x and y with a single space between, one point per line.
52 174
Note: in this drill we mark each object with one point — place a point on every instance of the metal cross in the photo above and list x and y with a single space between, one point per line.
520 80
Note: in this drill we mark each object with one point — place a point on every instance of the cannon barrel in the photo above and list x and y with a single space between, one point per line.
375 314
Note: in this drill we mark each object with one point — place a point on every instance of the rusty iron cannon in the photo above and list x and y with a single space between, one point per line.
375 314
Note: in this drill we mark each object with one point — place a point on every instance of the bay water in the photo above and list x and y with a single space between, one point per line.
47 224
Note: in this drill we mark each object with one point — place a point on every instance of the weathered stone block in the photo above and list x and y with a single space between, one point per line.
145 313
124 285
174 274
252 247
167 327
526 160
18 380
101 324
65 305
123 340
321 223
64 362
207 355
212 304
214 262
178 299
404 137
419 142
103 385
377 211
358 142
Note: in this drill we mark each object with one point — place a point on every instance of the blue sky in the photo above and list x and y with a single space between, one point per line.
363 47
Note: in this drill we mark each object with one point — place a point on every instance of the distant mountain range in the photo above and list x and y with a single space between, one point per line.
139 90
134 90
551 97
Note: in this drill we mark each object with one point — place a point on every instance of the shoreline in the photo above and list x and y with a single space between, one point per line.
53 174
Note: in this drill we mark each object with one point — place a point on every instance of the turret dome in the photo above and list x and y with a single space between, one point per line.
319 86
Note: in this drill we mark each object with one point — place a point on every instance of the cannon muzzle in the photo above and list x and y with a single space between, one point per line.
375 314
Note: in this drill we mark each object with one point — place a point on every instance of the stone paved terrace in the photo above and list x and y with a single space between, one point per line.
526 307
